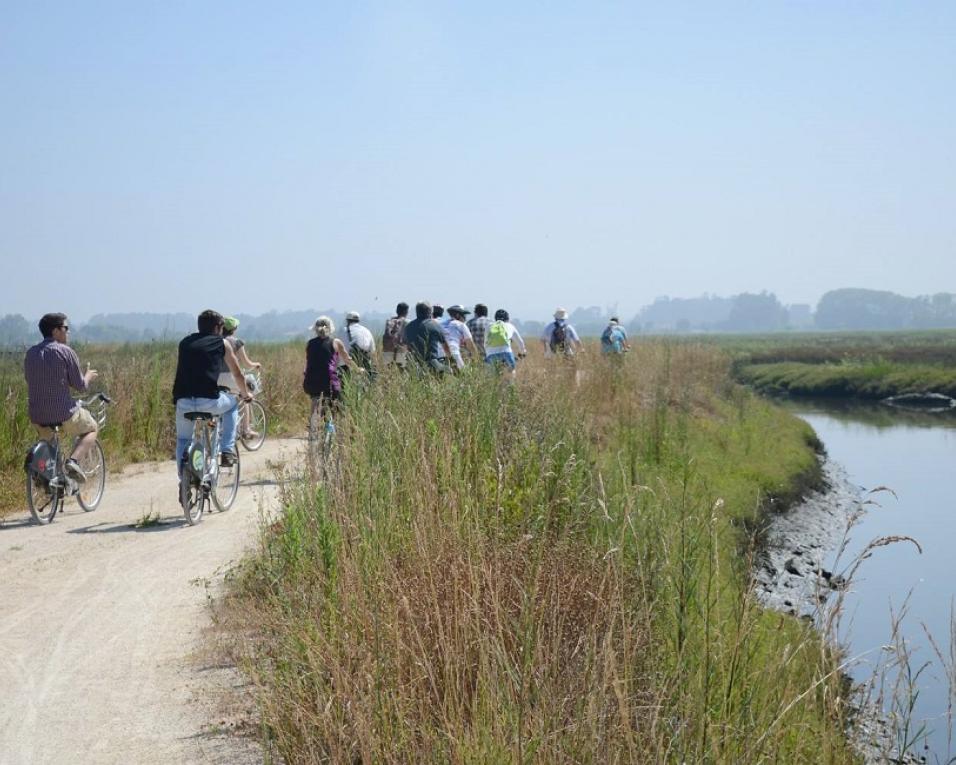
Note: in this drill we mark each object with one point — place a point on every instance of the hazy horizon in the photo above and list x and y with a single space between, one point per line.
360 155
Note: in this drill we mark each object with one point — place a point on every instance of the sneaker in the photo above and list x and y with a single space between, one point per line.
73 469
228 459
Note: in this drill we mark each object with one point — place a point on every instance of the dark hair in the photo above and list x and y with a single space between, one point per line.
423 310
401 309
481 309
209 320
502 315
51 321
615 319
437 311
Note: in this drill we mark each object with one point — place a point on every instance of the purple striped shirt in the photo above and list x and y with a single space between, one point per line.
51 369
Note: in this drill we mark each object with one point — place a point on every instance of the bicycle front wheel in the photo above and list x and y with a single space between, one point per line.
42 500
90 492
255 426
227 485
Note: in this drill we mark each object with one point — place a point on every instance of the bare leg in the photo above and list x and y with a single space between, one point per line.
83 446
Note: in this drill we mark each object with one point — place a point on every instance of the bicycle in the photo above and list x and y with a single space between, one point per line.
252 416
203 478
48 483
321 436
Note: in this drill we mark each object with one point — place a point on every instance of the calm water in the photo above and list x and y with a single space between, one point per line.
915 456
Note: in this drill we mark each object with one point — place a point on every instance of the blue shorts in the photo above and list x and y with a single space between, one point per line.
497 359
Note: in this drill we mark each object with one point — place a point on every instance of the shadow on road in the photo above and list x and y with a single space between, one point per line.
161 524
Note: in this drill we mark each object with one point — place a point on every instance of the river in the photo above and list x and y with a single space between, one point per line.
914 455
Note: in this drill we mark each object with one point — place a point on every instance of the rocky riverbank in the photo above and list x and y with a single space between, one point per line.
794 574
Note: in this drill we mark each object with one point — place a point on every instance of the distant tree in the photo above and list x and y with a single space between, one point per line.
16 331
707 312
756 313
857 309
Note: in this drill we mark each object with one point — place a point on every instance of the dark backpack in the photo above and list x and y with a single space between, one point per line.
392 339
559 338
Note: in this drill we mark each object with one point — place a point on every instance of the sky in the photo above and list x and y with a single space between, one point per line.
246 156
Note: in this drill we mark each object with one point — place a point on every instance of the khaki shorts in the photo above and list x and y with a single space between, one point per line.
79 424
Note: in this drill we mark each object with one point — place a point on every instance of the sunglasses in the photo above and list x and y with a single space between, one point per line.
65 327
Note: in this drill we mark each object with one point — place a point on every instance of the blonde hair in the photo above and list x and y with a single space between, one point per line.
324 327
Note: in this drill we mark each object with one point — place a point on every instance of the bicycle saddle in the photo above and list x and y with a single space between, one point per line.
198 416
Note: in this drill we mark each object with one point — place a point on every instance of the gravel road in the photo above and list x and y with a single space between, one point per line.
103 625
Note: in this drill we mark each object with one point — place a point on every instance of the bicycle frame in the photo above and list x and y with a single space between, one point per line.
201 456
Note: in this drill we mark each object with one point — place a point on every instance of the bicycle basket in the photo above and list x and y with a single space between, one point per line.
41 460
254 383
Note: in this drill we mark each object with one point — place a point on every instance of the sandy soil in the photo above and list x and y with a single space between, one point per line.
103 625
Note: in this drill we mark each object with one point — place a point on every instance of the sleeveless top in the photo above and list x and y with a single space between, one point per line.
226 380
321 377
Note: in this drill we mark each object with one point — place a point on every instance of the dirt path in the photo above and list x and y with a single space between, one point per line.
102 625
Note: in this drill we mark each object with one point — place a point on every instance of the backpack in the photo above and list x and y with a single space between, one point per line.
559 338
611 340
392 339
497 336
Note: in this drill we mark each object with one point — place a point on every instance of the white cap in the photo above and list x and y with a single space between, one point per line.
560 313
353 316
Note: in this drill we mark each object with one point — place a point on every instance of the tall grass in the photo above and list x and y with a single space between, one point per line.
550 572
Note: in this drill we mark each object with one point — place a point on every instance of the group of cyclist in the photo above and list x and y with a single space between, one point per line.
209 376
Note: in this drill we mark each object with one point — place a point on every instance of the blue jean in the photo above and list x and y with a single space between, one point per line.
226 405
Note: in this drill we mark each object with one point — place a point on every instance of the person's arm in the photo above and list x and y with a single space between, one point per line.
573 336
233 363
516 337
245 361
78 380
468 341
344 357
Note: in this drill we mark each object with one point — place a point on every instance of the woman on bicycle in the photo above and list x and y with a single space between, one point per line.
226 380
323 354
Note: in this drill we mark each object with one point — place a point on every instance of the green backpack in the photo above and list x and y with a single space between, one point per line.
497 336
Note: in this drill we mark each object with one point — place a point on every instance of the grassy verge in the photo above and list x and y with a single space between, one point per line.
873 380
553 572
140 426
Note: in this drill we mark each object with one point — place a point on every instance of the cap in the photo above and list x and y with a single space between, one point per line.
230 323
560 313
353 316
458 308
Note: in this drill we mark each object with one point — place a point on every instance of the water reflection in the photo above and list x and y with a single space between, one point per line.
913 453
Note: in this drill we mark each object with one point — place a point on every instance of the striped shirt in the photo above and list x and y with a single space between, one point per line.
51 369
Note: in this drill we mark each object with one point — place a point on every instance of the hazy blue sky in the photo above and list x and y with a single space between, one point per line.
177 155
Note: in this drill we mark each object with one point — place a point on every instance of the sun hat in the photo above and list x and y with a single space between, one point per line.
353 316
560 313
230 323
458 308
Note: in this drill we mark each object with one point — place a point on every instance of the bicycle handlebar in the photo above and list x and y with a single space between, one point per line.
87 402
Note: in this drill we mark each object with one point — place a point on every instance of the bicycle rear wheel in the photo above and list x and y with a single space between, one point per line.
43 500
190 497
90 492
227 485
255 423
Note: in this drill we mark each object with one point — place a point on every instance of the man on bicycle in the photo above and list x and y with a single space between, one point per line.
196 386
51 369
425 340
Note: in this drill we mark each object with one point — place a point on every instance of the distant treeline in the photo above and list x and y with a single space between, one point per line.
843 309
